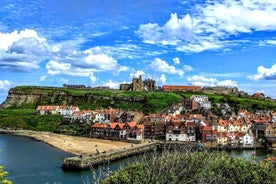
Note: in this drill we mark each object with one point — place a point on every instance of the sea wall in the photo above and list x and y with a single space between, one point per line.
84 162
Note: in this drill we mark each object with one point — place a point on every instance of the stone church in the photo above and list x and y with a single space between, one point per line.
139 85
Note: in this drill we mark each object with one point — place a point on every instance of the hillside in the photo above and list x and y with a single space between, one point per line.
29 97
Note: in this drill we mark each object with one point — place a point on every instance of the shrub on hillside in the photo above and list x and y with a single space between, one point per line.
194 167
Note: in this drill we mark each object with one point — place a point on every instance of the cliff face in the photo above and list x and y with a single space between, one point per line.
18 98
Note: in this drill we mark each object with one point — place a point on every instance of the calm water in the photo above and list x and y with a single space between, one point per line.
32 162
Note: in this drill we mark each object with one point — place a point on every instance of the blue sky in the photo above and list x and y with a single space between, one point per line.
107 42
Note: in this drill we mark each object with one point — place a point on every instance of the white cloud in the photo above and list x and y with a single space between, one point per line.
82 63
112 84
203 81
179 28
55 67
264 73
228 83
210 24
5 84
43 78
173 32
267 42
137 74
93 79
22 51
187 68
25 50
244 16
162 79
200 46
176 61
100 61
272 42
162 66
7 39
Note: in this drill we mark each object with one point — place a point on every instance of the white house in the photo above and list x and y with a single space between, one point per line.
202 100
66 110
99 117
181 131
199 98
247 140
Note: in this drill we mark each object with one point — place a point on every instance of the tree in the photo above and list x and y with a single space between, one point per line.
3 175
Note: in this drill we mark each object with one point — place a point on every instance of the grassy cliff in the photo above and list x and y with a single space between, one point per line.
29 97
18 111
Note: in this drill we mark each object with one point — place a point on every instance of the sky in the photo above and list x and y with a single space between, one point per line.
228 43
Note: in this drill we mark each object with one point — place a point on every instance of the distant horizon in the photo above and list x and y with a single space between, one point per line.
228 43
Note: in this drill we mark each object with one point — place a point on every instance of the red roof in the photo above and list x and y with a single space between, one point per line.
131 124
99 125
180 88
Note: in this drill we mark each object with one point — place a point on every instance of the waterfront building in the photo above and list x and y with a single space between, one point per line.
247 140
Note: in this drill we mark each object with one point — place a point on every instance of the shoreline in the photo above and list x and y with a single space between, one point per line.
71 144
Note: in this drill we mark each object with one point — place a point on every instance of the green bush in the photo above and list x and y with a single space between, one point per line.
3 175
194 167
27 119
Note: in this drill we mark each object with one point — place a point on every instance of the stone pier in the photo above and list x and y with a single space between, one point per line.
84 162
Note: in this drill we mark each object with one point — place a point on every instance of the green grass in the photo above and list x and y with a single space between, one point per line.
237 103
150 102
27 119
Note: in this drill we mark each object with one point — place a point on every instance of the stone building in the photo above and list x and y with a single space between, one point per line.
149 85
126 87
139 85
221 90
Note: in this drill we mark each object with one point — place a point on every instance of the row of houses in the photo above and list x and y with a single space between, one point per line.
63 110
123 131
244 129
197 101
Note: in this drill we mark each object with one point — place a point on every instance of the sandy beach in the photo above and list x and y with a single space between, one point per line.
71 144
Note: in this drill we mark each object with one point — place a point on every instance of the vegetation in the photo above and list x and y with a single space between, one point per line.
186 166
24 116
236 103
148 102
3 175
27 119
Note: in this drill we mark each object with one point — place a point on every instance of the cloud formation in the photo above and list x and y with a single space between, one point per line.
203 81
5 84
176 61
264 73
162 66
22 51
137 74
162 79
112 84
210 25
